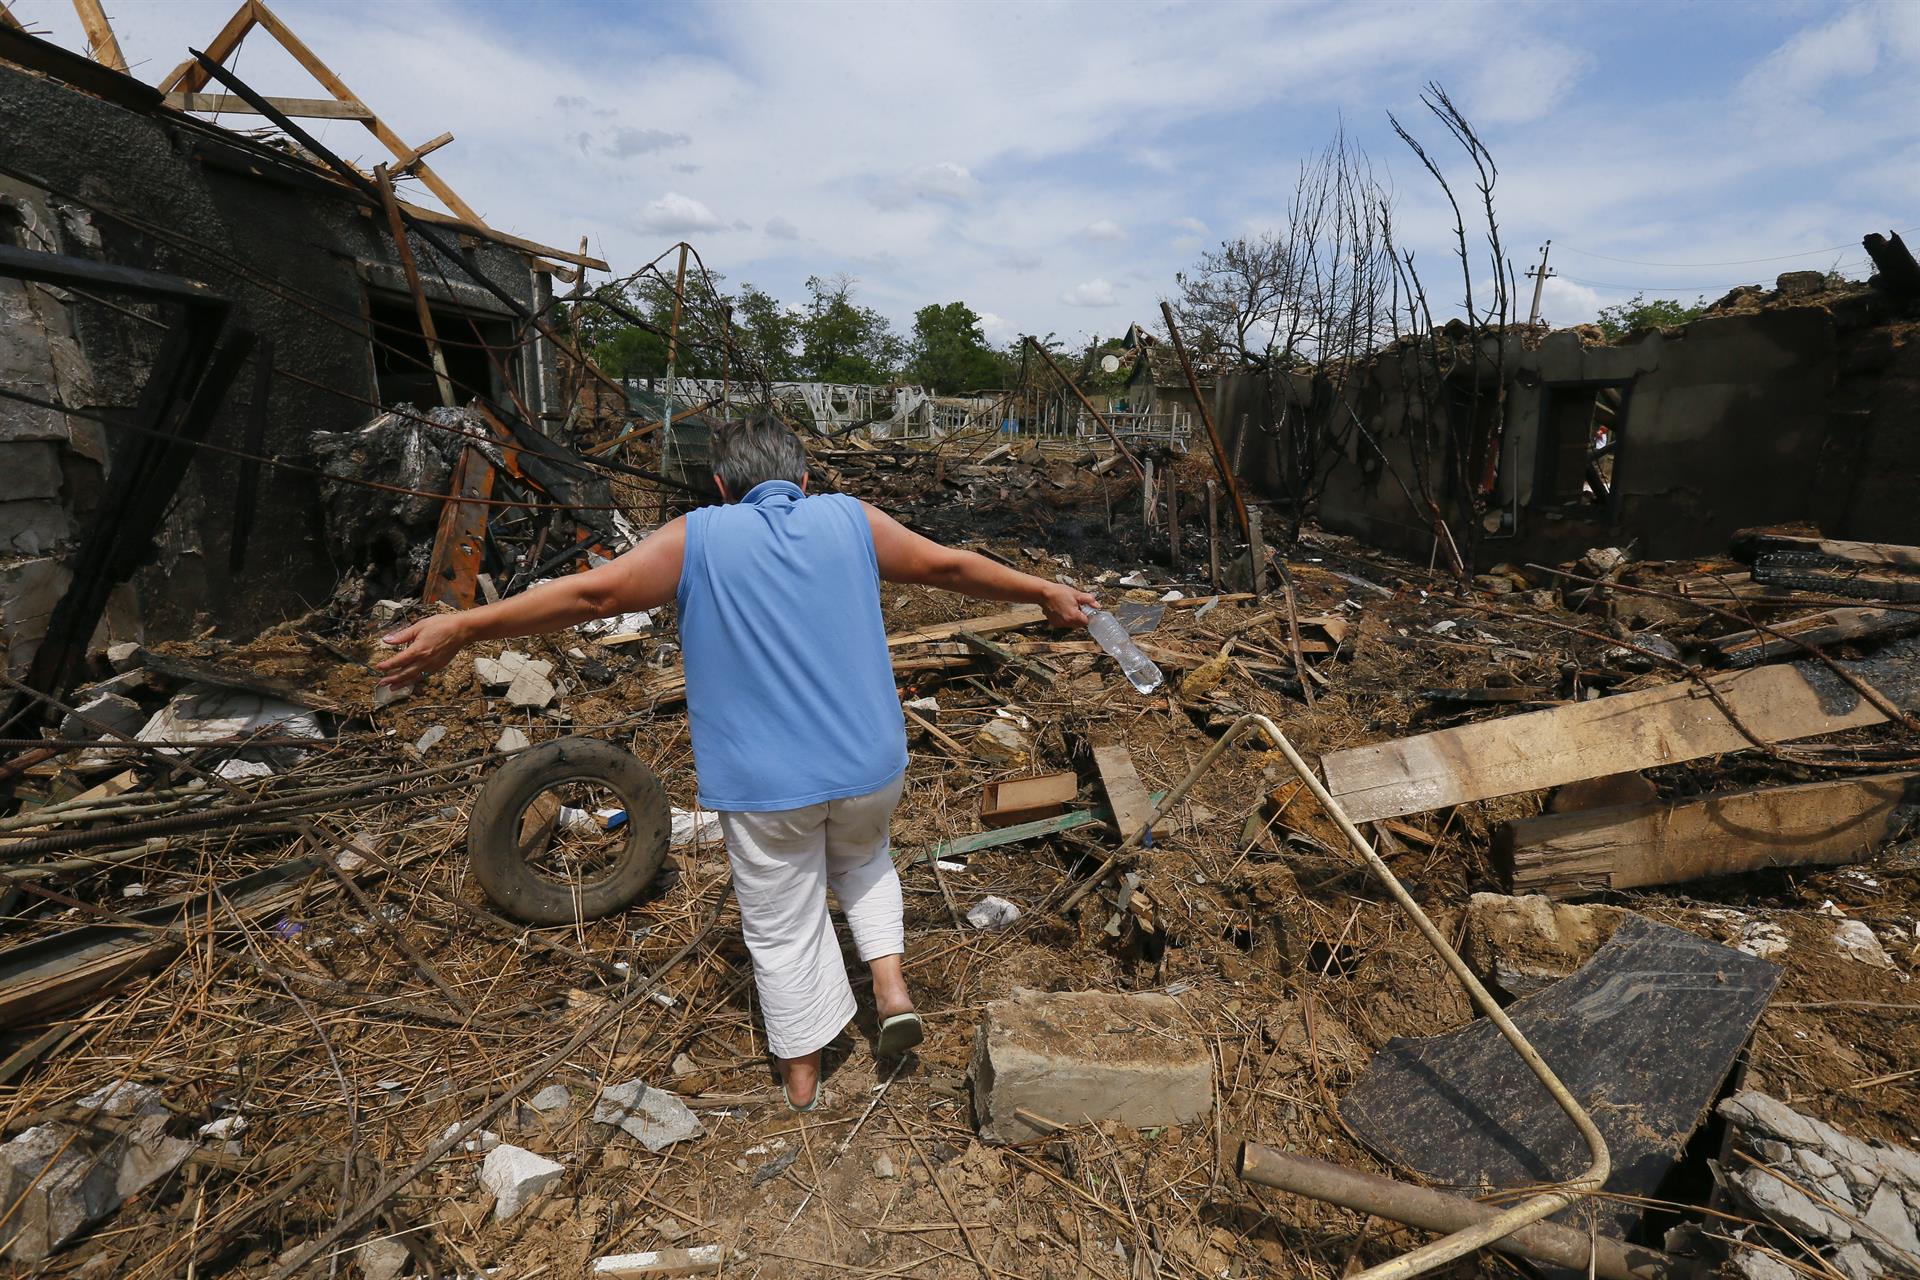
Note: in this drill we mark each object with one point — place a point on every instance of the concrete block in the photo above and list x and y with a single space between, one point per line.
104 715
653 1116
552 1098
526 678
1001 742
515 1176
1522 944
50 1176
1078 1056
380 1259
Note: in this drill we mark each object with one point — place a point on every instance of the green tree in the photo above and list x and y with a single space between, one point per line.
767 335
1623 318
949 353
841 341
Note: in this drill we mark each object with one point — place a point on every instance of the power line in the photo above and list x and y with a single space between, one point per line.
1731 262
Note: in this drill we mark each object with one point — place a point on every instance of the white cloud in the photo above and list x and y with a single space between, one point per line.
1103 229
943 181
1847 46
1564 303
778 228
996 329
1522 80
1094 293
1191 224
675 214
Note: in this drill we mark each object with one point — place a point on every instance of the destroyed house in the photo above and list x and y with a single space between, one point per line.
1802 408
95 166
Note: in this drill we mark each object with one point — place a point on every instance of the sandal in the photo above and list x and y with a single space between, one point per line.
898 1034
819 1092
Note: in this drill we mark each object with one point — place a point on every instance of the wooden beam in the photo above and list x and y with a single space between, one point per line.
7 19
190 76
1132 809
1594 850
412 158
1829 626
335 85
1668 725
531 247
1022 616
101 42
305 108
454 569
1749 544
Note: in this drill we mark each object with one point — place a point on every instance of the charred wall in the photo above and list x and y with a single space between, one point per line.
1789 413
302 261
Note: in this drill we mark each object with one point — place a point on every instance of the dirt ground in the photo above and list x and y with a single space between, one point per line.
351 1034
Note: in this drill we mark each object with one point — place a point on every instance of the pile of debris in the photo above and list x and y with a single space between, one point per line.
261 1013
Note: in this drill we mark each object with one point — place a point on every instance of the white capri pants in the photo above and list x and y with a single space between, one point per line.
783 864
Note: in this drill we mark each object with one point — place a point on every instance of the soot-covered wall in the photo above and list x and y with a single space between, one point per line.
301 260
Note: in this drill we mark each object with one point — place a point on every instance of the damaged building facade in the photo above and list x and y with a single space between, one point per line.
1790 406
112 175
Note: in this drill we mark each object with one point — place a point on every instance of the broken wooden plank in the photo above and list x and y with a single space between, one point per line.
945 740
454 567
181 670
1127 795
1006 804
1643 1035
1798 572
1828 626
301 108
1630 731
1023 616
1750 544
1817 824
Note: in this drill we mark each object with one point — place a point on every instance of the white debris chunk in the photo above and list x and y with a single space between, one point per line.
992 913
430 739
511 739
515 1176
1763 939
381 1259
694 827
1855 939
661 1262
654 1117
552 1098
525 677
224 1129
479 1142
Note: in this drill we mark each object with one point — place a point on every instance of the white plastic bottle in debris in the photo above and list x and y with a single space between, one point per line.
1111 634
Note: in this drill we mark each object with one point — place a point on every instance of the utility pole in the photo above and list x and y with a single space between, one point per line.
1539 276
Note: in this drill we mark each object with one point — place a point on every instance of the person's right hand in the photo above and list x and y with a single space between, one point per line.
425 647
1067 606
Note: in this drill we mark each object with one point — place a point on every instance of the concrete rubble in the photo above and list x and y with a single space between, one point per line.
1078 1057
515 1176
1856 1203
653 1117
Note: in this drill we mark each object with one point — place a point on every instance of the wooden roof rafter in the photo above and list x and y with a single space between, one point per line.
187 83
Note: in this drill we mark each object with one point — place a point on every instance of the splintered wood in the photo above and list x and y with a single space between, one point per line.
1504 757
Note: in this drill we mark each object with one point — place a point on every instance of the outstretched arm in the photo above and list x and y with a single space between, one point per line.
643 578
907 557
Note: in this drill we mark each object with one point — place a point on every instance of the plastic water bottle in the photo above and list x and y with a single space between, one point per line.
1111 634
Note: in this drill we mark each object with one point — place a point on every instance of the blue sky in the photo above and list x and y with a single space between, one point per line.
1055 165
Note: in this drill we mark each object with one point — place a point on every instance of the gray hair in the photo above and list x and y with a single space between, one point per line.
759 449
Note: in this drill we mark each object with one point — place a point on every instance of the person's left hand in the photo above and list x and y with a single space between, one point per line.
1067 606
425 647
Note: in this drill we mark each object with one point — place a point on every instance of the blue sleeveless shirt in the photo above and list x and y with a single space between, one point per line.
790 690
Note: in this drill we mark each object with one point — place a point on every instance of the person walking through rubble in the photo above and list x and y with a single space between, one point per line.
798 738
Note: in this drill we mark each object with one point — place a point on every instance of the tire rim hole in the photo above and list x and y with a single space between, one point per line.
575 833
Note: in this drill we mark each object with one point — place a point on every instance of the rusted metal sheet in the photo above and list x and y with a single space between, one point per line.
453 572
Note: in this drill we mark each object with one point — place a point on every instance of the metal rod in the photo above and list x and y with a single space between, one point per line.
1213 533
1257 557
1466 1241
1547 1242
1206 416
1087 404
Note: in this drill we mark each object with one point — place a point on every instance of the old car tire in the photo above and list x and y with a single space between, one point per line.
493 832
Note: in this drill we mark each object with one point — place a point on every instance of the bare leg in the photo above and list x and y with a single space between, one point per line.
802 1077
890 995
